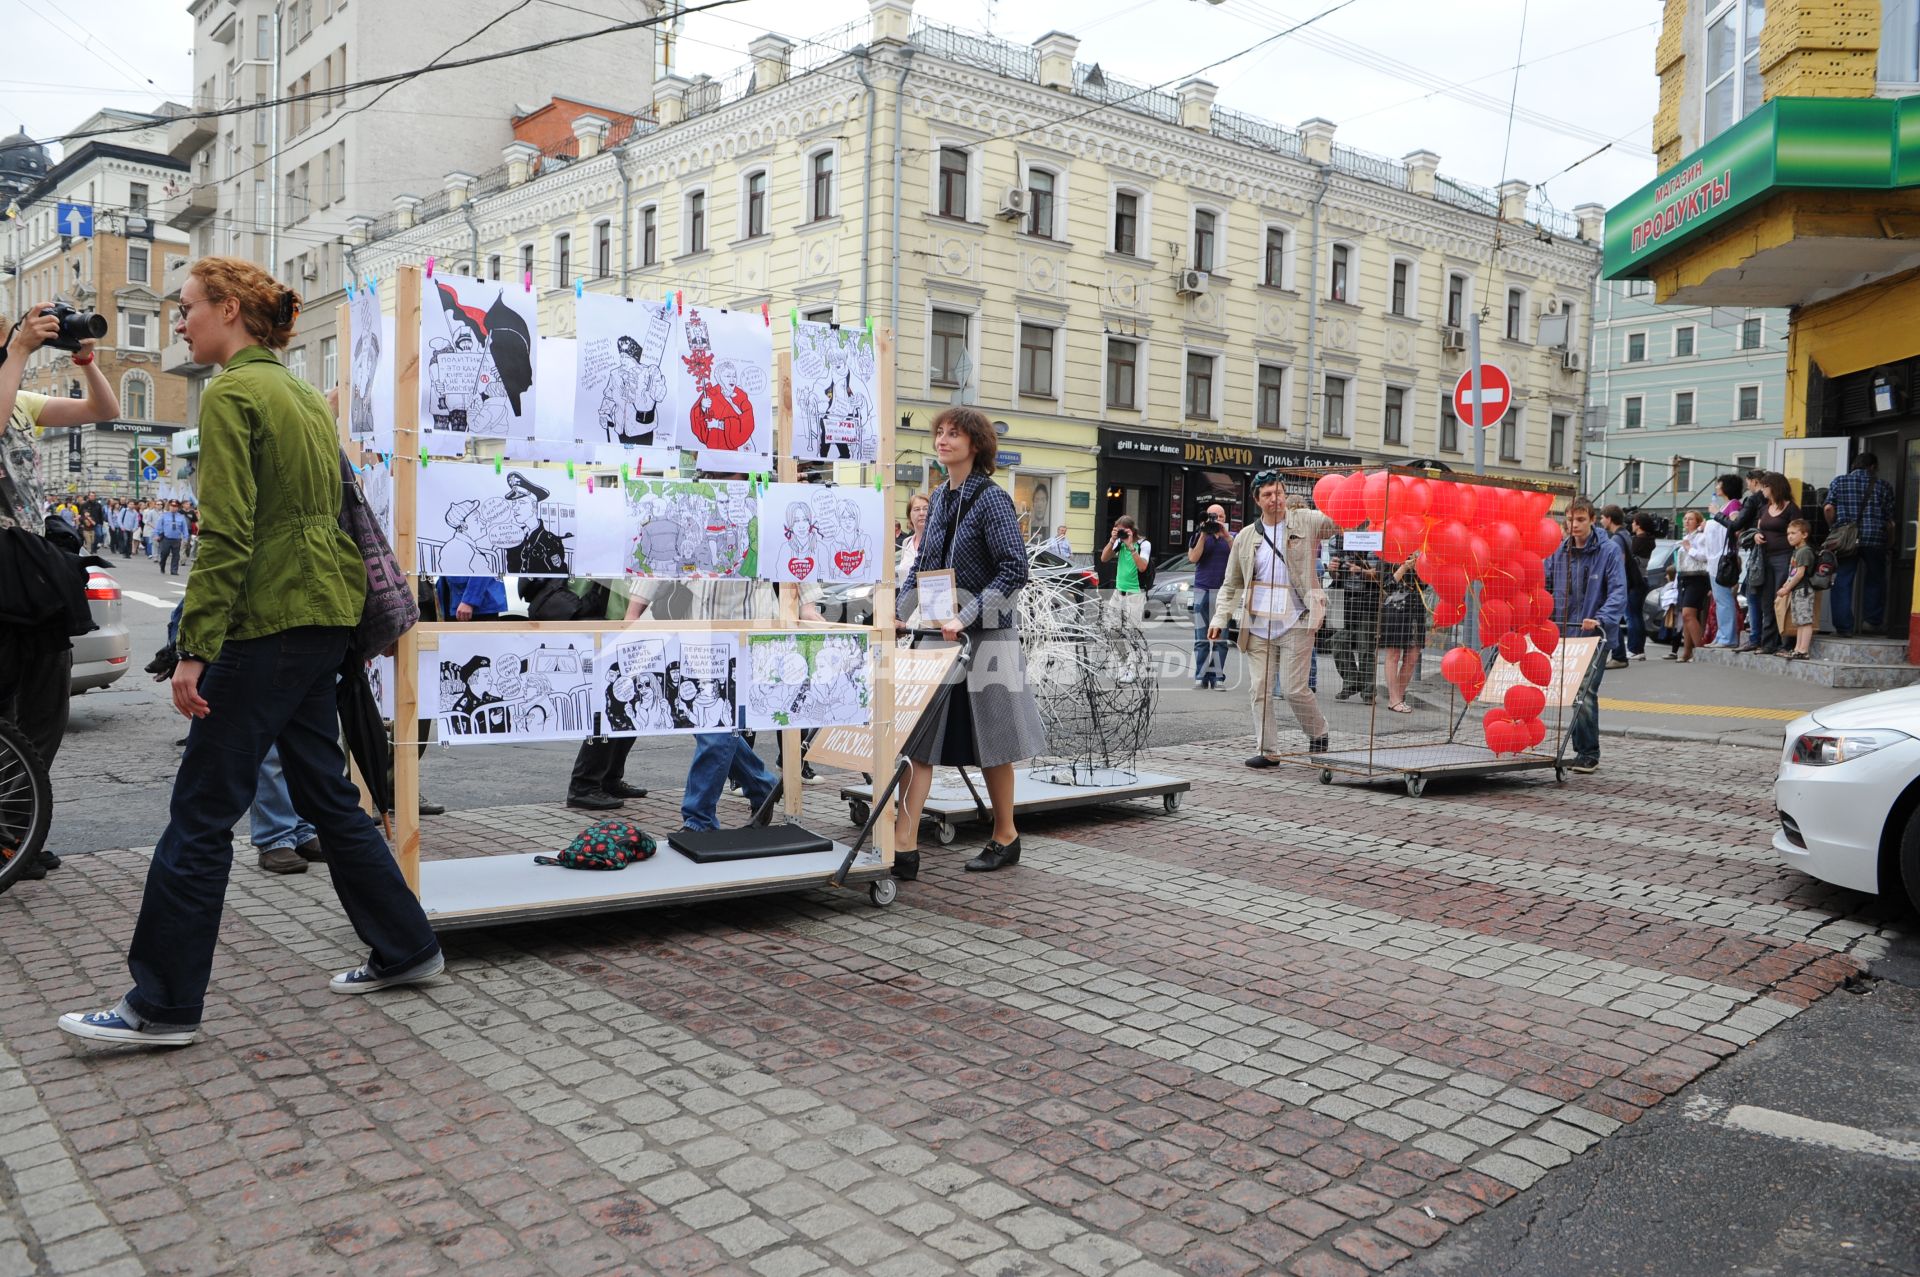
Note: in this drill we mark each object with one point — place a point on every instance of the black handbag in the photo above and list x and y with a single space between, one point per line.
1726 573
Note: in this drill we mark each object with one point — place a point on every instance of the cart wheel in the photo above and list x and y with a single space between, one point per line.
946 833
858 812
1416 785
884 891
1326 775
1171 802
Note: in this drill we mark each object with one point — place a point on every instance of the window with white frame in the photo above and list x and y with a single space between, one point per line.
1036 360
1636 348
1511 436
1516 314
1270 404
140 327
1393 417
1633 412
139 259
1123 373
1126 222
1682 478
951 200
1750 333
1339 273
1206 229
818 315
1683 335
1899 41
329 362
1041 186
1683 407
1572 311
1639 288
1557 441
1333 407
1731 75
949 347
1745 463
1400 287
526 260
1456 300
820 203
650 235
297 362
694 237
1630 477
493 266
562 259
1199 389
1449 423
602 249
1747 403
136 396
1273 258
753 205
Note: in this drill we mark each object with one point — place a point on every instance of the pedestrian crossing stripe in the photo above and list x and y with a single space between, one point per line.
1700 711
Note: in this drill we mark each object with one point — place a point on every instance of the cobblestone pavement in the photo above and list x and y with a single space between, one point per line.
1291 1028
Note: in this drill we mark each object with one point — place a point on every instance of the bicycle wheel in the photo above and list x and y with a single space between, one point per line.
26 804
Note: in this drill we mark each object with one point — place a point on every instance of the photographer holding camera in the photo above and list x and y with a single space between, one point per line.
36 661
1130 555
1207 550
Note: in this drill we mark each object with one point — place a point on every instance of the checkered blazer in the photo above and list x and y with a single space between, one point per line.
986 552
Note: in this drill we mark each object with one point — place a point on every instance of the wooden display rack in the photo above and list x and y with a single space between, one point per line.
505 888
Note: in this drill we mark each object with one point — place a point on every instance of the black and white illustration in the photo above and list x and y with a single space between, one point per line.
477 341
486 688
380 676
370 375
621 393
836 394
480 520
376 482
661 683
808 680
816 532
719 380
676 528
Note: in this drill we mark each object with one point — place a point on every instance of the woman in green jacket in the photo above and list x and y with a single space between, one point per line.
264 632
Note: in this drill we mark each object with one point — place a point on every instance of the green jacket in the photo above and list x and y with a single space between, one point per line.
272 555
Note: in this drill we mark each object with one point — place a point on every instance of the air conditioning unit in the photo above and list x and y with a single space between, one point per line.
1452 338
309 271
1192 283
1570 360
1013 203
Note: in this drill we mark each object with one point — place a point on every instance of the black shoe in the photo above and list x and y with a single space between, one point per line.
49 861
594 800
282 860
621 789
807 772
431 809
906 865
1585 766
312 852
1843 634
35 871
1261 760
1318 745
1343 694
995 856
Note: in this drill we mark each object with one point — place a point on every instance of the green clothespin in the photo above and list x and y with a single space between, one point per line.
879 476
870 340
496 465
796 319
626 475
569 469
424 463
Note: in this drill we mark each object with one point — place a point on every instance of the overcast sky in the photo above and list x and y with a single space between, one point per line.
1586 77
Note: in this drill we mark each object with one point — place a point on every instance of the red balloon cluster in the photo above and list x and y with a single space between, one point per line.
1467 533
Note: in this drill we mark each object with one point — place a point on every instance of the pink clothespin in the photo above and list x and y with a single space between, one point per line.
766 316
528 281
430 268
679 302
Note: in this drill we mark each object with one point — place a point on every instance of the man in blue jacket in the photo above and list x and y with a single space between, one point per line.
471 598
1587 576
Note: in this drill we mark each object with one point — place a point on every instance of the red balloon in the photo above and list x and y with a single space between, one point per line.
1449 611
1469 499
1501 583
1471 690
1513 646
1503 540
1448 542
1345 504
1524 700
1374 497
1324 488
1536 668
1403 535
1449 580
1543 536
1496 618
1528 570
1502 733
1538 505
1443 500
1409 496
1459 665
1536 730
1477 558
1545 636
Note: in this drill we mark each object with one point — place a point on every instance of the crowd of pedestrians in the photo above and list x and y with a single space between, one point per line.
166 532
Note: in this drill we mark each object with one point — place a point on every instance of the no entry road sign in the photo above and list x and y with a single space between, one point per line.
1496 394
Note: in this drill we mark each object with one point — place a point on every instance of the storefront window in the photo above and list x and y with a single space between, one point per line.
1733 65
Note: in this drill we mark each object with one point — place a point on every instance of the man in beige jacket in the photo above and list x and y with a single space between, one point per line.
1273 591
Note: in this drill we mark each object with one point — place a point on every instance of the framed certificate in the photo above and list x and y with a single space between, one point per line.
939 597
1270 601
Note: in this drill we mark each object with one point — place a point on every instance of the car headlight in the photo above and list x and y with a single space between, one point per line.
1824 749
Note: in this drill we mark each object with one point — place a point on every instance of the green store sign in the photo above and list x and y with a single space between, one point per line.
1862 144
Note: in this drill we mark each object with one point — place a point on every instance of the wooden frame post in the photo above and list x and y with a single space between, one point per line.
884 744
406 673
789 472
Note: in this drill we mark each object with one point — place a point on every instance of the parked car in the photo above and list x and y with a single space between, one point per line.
1652 611
100 657
1172 594
1848 794
853 603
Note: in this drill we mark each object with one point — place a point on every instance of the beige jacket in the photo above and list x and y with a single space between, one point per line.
1305 530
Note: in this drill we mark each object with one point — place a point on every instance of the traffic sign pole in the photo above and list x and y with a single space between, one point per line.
1479 402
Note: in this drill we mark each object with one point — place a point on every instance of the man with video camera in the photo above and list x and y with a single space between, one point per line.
39 554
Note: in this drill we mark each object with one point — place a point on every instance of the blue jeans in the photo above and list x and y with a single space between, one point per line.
276 689
275 823
1870 563
1209 658
170 550
1583 733
717 756
1725 613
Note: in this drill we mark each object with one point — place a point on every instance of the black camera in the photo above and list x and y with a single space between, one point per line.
1211 525
76 326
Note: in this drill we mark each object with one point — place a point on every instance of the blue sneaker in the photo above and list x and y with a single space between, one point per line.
363 980
109 1026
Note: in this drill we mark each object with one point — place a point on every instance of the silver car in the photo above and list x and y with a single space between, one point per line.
100 656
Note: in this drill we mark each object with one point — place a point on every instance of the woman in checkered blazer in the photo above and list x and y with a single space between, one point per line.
991 723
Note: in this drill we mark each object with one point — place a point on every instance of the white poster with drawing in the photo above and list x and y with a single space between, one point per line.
485 688
820 532
656 683
677 528
477 362
552 438
482 520
836 394
380 676
620 391
720 380
370 377
376 483
808 680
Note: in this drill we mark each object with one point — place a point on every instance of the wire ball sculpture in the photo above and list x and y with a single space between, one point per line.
1092 675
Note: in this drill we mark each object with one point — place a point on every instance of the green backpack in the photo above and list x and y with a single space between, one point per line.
605 844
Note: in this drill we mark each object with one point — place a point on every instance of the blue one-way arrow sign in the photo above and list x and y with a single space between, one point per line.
75 220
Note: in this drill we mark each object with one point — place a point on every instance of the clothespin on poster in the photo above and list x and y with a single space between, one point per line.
430 268
424 461
579 287
569 469
869 330
679 302
589 483
796 319
766 314
626 474
527 281
879 479
496 465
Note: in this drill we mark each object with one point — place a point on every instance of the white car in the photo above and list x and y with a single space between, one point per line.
1849 794
100 656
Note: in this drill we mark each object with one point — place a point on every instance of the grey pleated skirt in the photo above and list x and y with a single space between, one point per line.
998 706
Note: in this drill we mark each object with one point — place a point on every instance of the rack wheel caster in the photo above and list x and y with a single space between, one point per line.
1171 802
884 892
1326 775
945 832
1559 774
1416 786
857 812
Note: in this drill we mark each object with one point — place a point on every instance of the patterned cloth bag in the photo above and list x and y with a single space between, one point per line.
605 844
391 609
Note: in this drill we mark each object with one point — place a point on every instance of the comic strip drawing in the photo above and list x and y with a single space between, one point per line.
723 378
816 532
552 437
370 377
478 343
476 521
665 683
380 678
836 393
691 528
376 482
808 680
621 394
511 687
